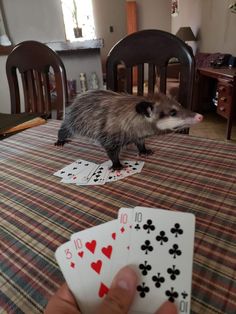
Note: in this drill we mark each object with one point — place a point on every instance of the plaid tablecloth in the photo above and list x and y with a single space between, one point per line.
38 213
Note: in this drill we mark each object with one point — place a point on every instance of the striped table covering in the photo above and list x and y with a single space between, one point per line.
38 213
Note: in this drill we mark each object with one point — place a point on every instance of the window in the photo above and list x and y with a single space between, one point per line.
78 19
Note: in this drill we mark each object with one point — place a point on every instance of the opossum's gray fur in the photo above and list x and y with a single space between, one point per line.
115 120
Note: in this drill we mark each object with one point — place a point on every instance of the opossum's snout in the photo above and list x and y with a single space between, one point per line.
178 120
198 117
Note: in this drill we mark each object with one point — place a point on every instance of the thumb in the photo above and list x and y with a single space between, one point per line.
121 293
167 308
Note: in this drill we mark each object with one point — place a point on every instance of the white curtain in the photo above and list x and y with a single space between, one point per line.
4 40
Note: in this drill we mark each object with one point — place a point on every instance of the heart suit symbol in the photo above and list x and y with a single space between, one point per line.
113 235
107 251
91 246
97 266
102 290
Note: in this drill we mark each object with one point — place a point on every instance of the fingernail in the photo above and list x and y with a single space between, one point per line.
125 279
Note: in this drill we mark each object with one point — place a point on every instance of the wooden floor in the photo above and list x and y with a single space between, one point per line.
213 126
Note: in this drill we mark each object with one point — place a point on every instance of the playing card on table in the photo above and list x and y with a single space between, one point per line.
94 249
99 176
130 168
70 173
161 247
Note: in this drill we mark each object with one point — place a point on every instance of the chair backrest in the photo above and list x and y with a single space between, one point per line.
154 49
40 68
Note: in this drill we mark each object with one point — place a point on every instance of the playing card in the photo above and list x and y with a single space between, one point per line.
130 168
161 247
94 248
99 176
121 250
71 172
69 265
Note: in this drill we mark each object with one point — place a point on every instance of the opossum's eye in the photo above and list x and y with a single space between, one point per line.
161 115
173 113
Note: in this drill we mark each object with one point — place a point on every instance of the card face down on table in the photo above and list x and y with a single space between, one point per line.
158 243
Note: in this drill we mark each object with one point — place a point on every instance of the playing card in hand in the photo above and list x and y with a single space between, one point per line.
159 243
69 264
94 249
161 247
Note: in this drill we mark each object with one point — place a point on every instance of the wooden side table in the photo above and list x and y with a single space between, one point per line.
226 88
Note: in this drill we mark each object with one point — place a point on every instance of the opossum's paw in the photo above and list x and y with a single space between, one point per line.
146 152
61 143
117 167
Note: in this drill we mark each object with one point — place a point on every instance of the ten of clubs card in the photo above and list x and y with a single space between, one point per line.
158 243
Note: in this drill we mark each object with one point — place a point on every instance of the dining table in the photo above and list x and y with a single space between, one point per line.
38 213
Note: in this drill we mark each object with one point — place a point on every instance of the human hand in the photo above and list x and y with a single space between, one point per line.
118 300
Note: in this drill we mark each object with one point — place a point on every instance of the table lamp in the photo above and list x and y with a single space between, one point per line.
186 34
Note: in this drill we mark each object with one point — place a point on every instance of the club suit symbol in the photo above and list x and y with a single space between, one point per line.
162 237
158 280
176 230
149 226
147 247
143 290
172 294
137 227
145 268
173 272
184 295
175 251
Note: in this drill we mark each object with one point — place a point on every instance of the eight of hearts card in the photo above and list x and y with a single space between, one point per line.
158 243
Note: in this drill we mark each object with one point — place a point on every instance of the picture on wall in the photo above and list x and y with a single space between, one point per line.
174 7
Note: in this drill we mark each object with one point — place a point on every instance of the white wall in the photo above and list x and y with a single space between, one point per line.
150 14
218 29
109 13
212 23
190 12
154 14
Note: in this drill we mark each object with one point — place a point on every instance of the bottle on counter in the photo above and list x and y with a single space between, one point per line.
93 80
83 82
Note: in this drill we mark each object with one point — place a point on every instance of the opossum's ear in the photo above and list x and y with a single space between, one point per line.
144 108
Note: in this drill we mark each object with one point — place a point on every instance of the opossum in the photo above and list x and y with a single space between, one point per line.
115 120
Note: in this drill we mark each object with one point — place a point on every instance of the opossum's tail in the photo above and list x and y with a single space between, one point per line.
63 135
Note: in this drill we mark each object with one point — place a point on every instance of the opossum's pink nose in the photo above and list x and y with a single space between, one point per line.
198 117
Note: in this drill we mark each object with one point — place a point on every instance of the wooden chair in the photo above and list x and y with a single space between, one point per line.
152 49
39 68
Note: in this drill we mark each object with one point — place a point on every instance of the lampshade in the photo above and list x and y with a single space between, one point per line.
186 34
